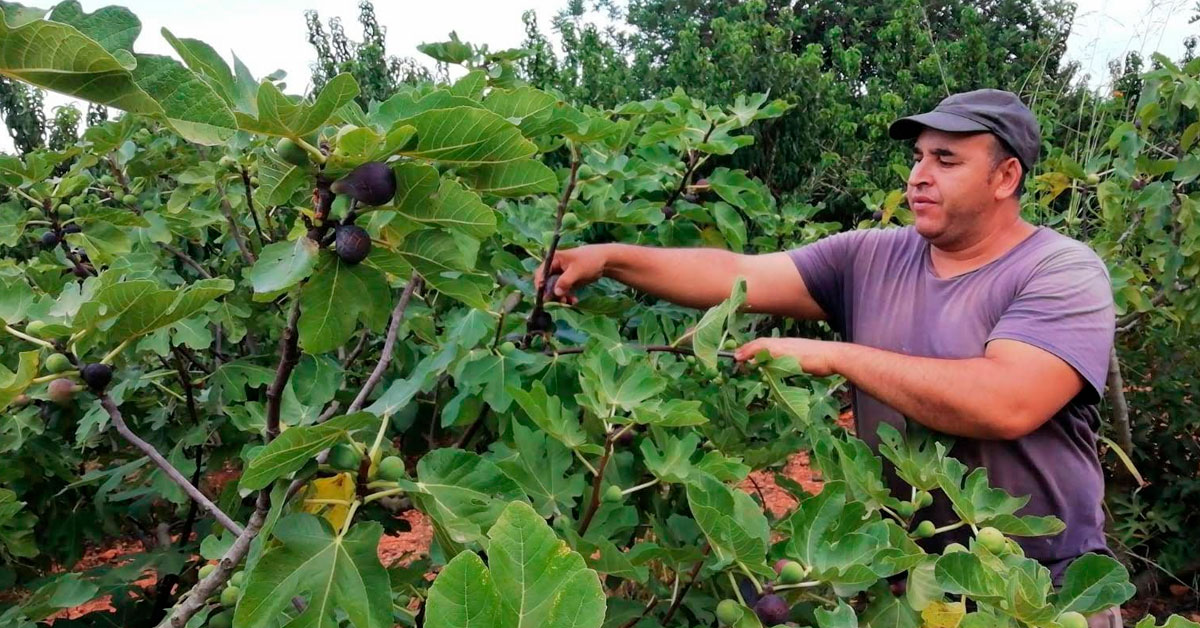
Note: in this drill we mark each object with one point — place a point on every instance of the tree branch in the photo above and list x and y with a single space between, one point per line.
1120 407
389 344
562 209
196 598
247 256
166 466
687 587
250 206
187 259
289 355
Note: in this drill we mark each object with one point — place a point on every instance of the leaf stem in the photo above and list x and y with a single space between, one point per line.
112 355
53 376
798 585
28 338
381 494
753 579
313 151
584 461
27 196
634 489
736 591
389 342
949 527
349 518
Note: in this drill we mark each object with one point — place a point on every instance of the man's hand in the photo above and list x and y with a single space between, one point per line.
816 357
579 267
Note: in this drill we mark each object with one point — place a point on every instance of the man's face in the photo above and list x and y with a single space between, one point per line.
950 189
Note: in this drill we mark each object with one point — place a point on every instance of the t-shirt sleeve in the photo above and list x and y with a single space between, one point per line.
1066 308
824 265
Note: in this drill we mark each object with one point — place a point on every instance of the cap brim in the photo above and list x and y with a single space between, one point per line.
910 127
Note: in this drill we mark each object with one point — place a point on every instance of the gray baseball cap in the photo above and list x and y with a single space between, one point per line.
996 111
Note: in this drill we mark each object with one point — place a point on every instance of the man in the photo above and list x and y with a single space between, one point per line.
972 321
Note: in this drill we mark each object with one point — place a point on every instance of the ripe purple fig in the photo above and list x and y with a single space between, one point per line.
352 243
771 610
372 183
49 239
96 375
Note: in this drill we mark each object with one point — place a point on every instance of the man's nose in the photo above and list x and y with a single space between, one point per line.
918 175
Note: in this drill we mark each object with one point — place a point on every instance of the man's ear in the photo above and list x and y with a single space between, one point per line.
1006 176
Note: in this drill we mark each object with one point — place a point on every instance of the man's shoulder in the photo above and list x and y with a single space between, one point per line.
1053 250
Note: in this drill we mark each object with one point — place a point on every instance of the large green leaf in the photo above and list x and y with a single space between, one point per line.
140 306
16 527
462 492
278 179
467 136
836 539
335 298
710 331
432 252
1092 583
282 265
453 207
278 115
297 445
542 466
548 412
735 526
917 458
401 391
332 573
978 503
205 62
673 465
608 388
513 178
532 580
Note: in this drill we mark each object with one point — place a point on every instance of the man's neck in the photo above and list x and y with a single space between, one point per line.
984 248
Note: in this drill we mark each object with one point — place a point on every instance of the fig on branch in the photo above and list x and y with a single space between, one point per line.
373 183
541 321
1072 619
924 499
1137 184
223 619
49 239
728 611
71 228
906 509
877 215
613 494
229 596
65 210
107 179
391 468
206 571
129 199
791 573
35 328
61 391
771 609
954 548
507 348
237 578
925 529
58 363
570 221
291 152
352 243
345 457
992 540
96 375
227 162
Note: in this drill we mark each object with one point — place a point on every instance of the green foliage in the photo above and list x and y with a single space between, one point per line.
237 336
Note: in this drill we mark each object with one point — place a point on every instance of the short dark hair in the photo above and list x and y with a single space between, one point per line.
1001 151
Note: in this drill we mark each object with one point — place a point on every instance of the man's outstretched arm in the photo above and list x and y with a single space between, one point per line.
1008 393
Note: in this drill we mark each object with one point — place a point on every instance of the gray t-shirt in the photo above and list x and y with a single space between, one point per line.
879 289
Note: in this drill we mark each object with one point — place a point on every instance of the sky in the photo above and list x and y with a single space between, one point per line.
271 34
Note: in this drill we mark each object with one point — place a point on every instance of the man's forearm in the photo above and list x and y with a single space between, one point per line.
964 397
691 277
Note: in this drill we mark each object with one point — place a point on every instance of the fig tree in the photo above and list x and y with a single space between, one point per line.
992 540
925 529
206 571
373 183
728 611
771 609
229 596
613 494
96 375
291 152
49 239
1072 619
345 457
57 363
391 468
60 391
791 573
352 243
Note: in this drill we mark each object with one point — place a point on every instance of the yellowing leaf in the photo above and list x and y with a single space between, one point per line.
339 487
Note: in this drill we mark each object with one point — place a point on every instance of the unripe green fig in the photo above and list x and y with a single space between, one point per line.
229 596
391 469
58 363
906 509
224 619
730 344
792 573
1072 619
291 152
992 540
373 183
570 221
877 215
352 243
36 213
227 162
345 457
254 181
954 548
728 611
96 375
613 494
61 391
206 571
925 529
237 578
507 348
1093 179
129 199
924 499
35 328
65 210
107 180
